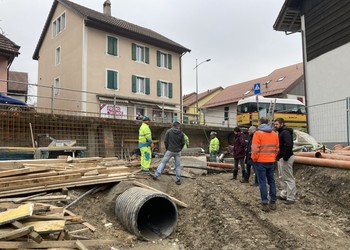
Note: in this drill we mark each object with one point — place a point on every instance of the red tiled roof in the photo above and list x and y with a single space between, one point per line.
111 24
191 98
278 82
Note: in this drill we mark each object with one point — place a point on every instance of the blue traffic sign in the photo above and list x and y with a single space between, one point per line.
256 88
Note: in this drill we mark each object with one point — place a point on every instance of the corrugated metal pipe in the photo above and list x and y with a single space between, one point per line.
148 214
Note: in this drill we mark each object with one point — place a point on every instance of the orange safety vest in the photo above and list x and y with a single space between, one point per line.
265 146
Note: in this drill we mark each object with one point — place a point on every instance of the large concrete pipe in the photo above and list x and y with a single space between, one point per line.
148 214
322 162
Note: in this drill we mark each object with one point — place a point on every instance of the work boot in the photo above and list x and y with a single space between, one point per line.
154 177
272 205
178 182
247 176
235 173
265 207
243 180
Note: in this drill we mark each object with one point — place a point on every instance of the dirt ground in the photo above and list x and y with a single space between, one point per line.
225 214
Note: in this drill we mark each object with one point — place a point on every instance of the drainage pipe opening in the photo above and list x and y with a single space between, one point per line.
147 214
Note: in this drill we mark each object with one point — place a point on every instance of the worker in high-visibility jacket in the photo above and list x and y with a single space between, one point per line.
265 146
145 144
213 147
187 141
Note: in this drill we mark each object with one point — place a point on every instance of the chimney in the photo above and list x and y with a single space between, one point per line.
107 8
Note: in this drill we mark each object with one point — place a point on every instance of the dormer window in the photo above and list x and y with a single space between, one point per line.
59 24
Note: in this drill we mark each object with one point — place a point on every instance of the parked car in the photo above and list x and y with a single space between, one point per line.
12 104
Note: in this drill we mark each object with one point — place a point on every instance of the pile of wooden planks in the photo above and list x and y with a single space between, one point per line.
40 225
32 176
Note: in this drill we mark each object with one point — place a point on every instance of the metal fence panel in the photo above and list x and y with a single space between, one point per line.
329 123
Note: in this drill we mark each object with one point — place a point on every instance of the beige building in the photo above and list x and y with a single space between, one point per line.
93 62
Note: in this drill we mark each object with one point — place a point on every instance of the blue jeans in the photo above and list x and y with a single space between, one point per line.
265 171
166 158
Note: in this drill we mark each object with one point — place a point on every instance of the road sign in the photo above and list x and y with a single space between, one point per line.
256 88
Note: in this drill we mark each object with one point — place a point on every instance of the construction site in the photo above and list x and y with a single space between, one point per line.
80 188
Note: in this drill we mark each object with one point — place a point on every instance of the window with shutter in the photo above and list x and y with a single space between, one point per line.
112 46
140 85
164 60
140 53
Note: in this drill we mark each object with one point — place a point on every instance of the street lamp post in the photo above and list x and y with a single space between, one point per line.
196 68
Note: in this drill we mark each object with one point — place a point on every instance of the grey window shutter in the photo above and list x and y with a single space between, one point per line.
112 78
170 90
159 91
133 51
147 55
133 83
169 61
158 58
148 90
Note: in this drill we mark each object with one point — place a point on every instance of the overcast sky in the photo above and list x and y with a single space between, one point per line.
236 35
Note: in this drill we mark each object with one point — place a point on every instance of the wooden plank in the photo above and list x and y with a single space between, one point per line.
18 163
79 230
57 244
29 197
178 202
17 233
40 180
23 211
80 245
48 226
28 176
20 171
33 235
81 170
88 225
54 186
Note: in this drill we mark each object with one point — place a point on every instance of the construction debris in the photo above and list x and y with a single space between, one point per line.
26 222
26 177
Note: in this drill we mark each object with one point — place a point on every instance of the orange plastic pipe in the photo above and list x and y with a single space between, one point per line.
307 154
323 155
332 163
220 165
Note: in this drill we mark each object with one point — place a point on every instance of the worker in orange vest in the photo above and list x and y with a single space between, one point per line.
265 147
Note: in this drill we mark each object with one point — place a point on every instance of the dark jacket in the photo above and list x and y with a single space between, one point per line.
248 152
285 136
239 146
174 140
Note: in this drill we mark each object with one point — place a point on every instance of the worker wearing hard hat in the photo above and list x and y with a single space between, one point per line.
145 144
214 146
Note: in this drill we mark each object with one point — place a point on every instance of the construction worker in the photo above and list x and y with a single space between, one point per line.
265 147
187 141
214 146
174 142
145 144
285 160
